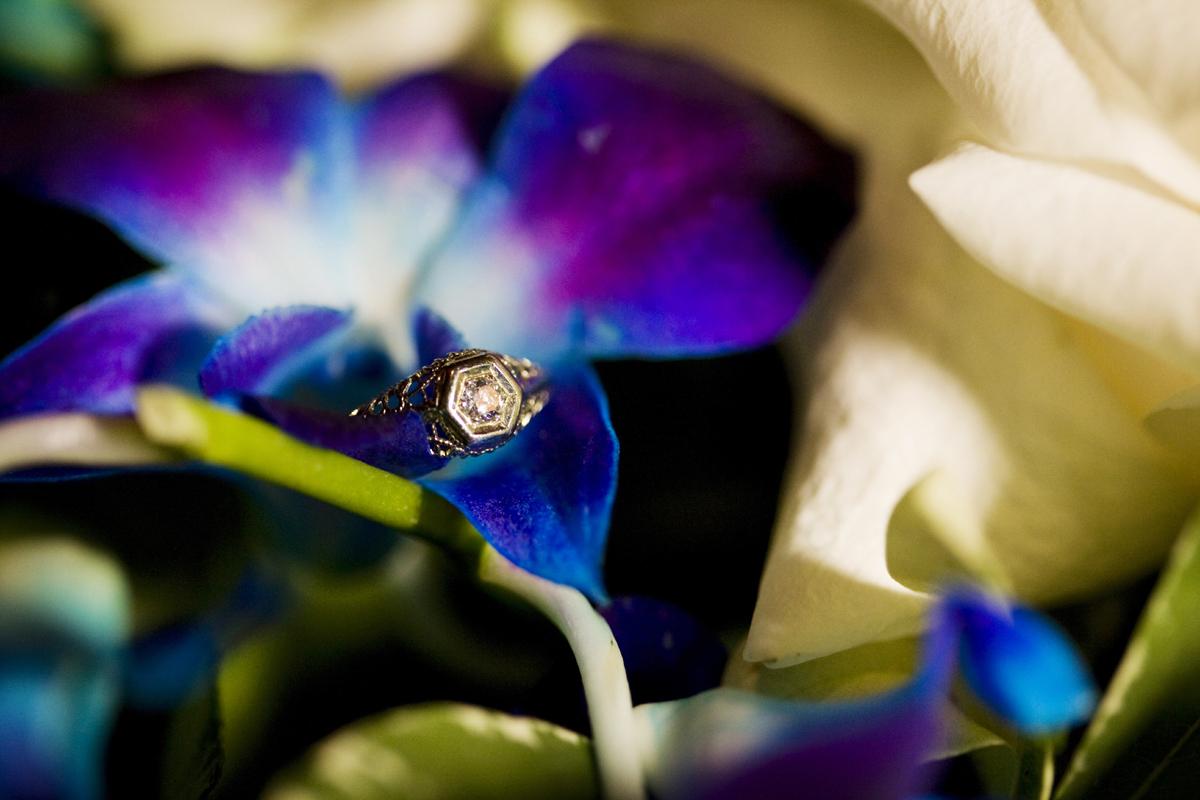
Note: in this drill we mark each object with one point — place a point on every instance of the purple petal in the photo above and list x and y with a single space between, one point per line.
437 123
667 653
544 499
632 209
268 187
395 442
727 744
267 349
152 328
730 744
217 172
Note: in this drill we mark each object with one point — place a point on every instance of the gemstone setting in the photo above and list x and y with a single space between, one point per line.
481 402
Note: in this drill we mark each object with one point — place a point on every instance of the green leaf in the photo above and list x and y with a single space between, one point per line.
1143 741
443 751
226 438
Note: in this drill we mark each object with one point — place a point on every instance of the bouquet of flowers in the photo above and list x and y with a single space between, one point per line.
532 398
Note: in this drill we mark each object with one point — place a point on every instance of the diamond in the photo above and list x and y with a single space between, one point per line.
482 398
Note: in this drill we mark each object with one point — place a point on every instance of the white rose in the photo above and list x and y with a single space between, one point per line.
974 393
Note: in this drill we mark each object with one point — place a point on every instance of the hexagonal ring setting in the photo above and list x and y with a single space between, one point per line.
471 401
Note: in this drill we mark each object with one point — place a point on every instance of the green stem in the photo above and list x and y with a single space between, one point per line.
225 438
601 669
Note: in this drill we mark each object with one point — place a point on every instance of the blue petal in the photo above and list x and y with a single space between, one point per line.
166 667
397 443
64 612
1021 665
544 499
435 337
667 653
266 350
55 714
728 744
632 209
152 328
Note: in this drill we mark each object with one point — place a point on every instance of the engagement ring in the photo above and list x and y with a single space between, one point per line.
472 401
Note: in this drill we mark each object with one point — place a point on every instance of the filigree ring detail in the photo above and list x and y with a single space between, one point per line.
471 401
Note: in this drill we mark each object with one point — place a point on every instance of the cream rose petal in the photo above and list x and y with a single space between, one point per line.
916 361
1124 259
1176 423
1155 43
360 43
1035 80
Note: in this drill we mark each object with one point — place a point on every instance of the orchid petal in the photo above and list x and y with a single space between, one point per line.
667 653
544 499
920 361
167 667
398 443
1082 105
64 612
225 175
265 350
821 57
1083 242
1020 664
860 672
727 743
419 146
434 336
744 745
631 209
55 714
269 189
151 328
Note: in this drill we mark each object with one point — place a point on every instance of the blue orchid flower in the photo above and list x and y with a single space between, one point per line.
68 660
728 744
64 617
625 203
